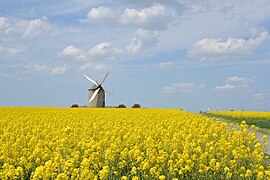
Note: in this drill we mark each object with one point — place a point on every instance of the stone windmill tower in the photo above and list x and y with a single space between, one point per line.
96 94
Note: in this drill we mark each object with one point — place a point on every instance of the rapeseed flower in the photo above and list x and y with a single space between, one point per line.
59 143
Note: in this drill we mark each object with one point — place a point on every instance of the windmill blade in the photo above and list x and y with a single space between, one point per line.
94 95
107 91
91 80
105 77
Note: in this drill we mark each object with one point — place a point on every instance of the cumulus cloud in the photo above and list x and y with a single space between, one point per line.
234 83
211 49
240 81
154 17
179 7
42 68
102 15
25 28
262 96
102 51
72 51
60 69
182 88
4 25
105 50
36 27
144 39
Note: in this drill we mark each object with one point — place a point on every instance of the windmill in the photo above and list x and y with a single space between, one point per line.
96 94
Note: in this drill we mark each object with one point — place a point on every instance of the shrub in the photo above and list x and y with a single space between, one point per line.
136 106
74 106
121 106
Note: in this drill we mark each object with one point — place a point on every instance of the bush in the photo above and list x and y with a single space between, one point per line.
136 106
121 106
74 106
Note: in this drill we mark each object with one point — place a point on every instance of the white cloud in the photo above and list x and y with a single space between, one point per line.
38 68
134 46
234 83
211 49
36 27
60 69
72 51
165 64
105 50
197 7
182 88
262 96
85 66
226 87
25 28
178 6
34 67
102 51
102 15
100 66
4 24
154 17
144 39
240 80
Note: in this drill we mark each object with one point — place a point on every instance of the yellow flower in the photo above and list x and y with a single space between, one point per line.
226 169
62 176
248 173
228 175
260 175
135 178
162 177
110 143
133 170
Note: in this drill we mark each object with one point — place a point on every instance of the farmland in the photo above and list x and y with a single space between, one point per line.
259 119
61 143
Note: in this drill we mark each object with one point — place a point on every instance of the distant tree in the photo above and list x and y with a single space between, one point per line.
74 106
136 106
121 106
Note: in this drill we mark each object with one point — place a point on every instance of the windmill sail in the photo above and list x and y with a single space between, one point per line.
105 77
94 95
91 80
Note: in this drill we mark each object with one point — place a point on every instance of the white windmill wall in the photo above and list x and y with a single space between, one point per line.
99 100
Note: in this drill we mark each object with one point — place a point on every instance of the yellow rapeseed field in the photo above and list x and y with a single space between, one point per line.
61 143
260 119
243 114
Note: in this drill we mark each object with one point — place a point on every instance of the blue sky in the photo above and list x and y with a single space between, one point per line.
193 55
